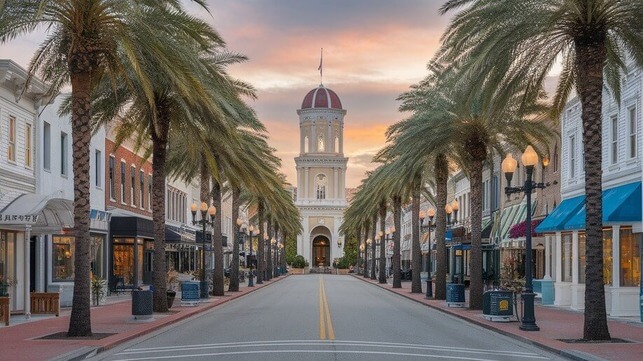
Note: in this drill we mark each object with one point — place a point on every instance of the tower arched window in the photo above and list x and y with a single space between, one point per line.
320 144
320 184
306 144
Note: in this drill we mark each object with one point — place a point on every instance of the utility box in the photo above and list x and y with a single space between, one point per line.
497 306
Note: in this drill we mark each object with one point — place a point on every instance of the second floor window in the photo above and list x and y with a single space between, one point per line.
112 166
149 192
141 189
133 185
631 117
11 151
572 156
63 153
614 139
46 146
28 145
123 181
98 165
321 186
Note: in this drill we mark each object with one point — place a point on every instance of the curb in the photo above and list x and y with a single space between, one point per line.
78 355
571 354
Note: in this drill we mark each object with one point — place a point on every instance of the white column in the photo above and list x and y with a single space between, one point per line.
335 184
548 252
616 256
559 261
342 180
27 278
299 183
575 259
330 142
306 193
341 137
313 142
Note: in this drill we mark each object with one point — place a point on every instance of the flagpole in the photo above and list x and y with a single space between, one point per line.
321 69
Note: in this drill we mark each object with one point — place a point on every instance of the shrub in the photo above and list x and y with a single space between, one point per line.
299 262
342 263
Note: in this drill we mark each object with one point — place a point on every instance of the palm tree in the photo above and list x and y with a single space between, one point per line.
512 44
90 40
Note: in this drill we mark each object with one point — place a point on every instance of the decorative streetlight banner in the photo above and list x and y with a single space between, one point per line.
18 218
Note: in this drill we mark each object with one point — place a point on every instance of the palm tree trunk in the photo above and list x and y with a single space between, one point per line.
382 270
366 230
475 262
218 287
234 265
159 153
590 56
269 253
373 232
261 265
276 250
397 214
80 320
416 252
441 177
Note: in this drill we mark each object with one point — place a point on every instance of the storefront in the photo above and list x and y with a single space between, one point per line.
621 249
180 249
132 249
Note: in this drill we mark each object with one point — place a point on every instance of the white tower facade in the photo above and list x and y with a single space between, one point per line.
321 176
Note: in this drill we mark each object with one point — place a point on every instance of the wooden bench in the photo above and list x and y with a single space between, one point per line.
4 311
45 303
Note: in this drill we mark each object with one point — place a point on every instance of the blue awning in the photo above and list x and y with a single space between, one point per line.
556 220
620 204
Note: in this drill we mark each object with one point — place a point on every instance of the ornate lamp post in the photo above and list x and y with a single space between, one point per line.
529 160
212 211
429 280
389 237
361 249
251 232
273 242
281 255
371 271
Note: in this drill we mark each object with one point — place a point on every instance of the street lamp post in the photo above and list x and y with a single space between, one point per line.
275 272
529 160
388 238
280 258
212 211
371 272
361 249
428 227
251 232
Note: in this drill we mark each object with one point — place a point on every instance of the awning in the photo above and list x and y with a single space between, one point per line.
486 228
556 220
42 212
620 204
510 216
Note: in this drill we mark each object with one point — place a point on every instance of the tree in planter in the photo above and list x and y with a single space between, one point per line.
299 262
512 280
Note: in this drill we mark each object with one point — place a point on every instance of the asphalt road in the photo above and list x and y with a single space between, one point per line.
315 317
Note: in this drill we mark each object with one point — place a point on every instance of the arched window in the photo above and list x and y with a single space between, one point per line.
320 144
306 144
320 183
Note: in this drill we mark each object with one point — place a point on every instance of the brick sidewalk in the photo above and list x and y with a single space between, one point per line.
21 341
555 323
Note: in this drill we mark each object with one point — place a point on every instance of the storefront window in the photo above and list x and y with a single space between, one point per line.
566 257
123 263
63 258
607 256
581 257
97 254
630 258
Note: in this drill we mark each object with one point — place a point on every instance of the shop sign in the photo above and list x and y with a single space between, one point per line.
18 218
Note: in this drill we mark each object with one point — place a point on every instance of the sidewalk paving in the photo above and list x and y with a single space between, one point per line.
555 324
20 340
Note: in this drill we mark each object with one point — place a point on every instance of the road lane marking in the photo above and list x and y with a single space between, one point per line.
322 326
337 343
357 352
329 322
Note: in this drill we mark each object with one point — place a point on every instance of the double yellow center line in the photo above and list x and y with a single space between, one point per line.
324 314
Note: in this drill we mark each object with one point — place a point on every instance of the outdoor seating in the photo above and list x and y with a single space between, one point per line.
43 303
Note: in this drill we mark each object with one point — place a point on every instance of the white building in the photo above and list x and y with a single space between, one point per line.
622 174
321 175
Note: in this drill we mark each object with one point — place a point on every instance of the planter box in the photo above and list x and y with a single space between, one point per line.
45 303
4 311
298 271
342 271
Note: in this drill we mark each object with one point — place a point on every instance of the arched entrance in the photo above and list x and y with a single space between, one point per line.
321 237
321 251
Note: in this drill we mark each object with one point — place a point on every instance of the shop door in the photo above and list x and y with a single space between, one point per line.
148 268
32 264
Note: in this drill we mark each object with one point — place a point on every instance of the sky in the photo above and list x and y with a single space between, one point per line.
373 51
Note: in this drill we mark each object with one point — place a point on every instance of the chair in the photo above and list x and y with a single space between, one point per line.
116 285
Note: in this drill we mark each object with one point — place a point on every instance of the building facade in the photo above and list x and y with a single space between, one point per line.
622 227
321 175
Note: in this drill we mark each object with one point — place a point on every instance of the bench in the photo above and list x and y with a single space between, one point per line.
45 303
4 311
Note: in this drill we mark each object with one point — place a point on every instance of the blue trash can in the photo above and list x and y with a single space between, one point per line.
455 295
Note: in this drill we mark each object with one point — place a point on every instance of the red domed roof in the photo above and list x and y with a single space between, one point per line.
321 97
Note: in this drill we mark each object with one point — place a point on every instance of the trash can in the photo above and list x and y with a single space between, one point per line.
142 305
455 295
497 306
547 292
190 293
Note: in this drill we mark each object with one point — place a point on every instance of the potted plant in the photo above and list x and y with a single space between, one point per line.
5 285
171 280
299 264
512 280
98 290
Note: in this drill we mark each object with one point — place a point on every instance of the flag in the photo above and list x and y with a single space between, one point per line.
321 59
